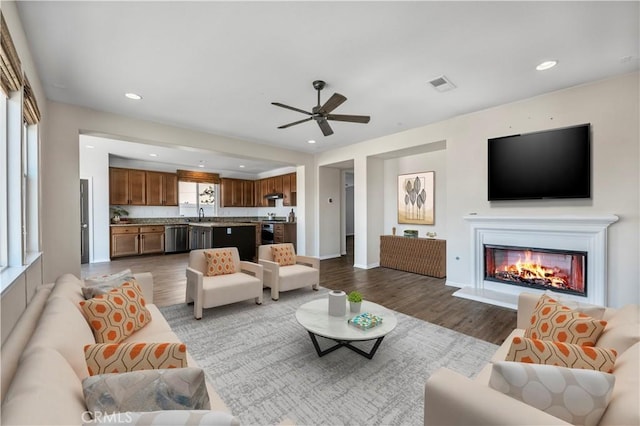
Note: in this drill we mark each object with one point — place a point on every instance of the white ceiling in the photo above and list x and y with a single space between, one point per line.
217 66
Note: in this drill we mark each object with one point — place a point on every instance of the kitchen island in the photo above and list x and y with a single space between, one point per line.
148 237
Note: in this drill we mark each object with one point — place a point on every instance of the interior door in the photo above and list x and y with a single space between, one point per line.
84 221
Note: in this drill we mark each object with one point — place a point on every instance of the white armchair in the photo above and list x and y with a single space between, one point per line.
305 272
210 291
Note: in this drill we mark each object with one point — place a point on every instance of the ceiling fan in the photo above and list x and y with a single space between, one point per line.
323 113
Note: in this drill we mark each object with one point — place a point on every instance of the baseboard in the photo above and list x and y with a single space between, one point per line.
369 266
329 256
455 284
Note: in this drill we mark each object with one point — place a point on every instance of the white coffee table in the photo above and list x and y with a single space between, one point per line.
314 317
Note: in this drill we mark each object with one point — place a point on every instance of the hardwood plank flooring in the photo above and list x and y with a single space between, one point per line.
422 297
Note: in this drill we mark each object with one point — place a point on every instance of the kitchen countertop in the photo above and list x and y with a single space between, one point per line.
207 224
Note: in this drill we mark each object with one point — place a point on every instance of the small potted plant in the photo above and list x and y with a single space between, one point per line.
355 301
117 212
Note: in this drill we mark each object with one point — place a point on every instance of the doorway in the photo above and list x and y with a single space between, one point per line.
84 221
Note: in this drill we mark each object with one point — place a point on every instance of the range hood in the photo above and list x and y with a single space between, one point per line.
274 196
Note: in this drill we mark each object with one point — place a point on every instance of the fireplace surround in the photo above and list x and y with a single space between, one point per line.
584 237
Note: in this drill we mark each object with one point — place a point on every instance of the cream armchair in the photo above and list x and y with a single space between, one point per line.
210 291
305 272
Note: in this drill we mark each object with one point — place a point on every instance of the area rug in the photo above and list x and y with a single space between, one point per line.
264 367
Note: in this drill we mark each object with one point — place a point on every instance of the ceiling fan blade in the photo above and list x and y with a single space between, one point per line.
350 118
290 107
324 126
294 123
334 102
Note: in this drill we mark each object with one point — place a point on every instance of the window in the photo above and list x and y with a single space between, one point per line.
4 240
195 196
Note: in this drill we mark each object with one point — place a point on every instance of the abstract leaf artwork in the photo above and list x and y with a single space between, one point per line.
415 198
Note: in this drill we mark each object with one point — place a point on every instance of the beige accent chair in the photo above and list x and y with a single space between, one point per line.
306 271
208 292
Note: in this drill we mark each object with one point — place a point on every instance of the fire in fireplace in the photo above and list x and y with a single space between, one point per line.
557 270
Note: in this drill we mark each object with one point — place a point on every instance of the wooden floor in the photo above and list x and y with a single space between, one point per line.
420 296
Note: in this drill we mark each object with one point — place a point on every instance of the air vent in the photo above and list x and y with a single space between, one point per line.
442 84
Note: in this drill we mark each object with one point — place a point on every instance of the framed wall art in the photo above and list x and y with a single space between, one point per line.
415 198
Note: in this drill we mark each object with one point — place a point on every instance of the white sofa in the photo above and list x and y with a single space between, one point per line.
452 399
43 361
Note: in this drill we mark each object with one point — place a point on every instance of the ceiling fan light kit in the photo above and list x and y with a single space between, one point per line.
322 113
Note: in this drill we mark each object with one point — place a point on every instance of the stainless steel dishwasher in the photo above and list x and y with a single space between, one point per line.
176 238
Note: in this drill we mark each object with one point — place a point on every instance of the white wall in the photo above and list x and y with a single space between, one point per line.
432 161
330 202
612 108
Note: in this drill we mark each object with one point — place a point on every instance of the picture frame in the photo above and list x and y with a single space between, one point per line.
416 203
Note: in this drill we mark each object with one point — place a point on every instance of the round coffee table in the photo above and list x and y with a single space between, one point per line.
314 317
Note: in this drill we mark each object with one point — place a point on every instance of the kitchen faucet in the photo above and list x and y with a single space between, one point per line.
201 215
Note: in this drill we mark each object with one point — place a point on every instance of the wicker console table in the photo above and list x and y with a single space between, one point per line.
426 256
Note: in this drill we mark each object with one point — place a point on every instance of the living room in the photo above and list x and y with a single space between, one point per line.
454 147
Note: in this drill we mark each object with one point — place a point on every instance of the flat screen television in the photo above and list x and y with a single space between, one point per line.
549 164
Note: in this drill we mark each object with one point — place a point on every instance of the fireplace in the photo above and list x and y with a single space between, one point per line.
582 238
562 271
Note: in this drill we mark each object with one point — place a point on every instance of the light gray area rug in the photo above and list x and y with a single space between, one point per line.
264 366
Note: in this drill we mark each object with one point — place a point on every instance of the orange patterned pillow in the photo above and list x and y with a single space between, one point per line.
283 255
555 322
561 354
103 358
118 314
219 262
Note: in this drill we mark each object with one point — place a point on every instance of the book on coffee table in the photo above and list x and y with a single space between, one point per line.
365 321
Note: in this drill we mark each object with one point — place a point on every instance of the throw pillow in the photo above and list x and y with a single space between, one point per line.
168 417
219 262
555 322
116 315
122 357
283 255
147 390
579 397
561 354
102 284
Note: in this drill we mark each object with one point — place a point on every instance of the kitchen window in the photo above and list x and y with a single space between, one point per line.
194 196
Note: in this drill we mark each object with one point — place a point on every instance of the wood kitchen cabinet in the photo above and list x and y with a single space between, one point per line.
136 240
127 187
151 239
162 189
236 193
285 233
289 191
124 241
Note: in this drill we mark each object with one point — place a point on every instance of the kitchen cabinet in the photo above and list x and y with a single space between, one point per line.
236 193
136 240
289 194
285 233
151 239
264 190
162 189
124 241
127 186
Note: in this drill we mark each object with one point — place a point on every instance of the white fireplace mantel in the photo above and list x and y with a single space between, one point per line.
573 232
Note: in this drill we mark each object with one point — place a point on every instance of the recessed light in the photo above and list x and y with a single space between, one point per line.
133 96
200 165
241 166
153 155
311 141
90 146
546 65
